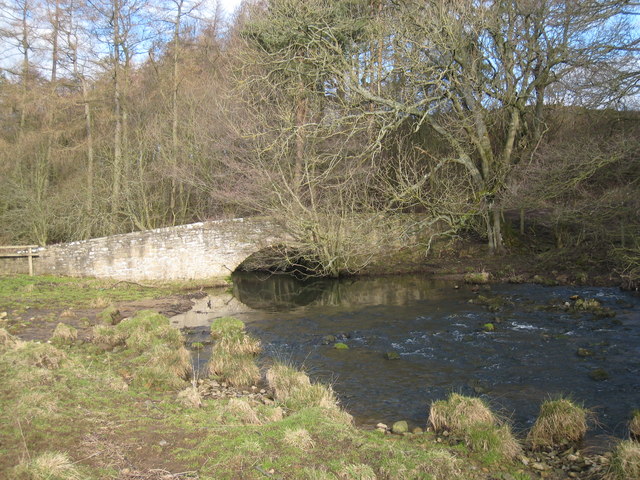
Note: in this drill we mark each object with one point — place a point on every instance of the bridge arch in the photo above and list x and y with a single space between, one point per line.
195 251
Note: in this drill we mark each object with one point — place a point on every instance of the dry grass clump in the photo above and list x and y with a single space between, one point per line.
175 360
156 377
108 336
242 411
48 466
295 390
240 345
559 421
442 465
233 355
190 397
471 419
41 355
357 472
634 424
497 441
625 464
64 334
299 438
7 341
237 370
477 277
99 302
458 411
142 336
110 315
164 361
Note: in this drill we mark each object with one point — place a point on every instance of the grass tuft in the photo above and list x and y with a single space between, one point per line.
299 438
41 355
357 472
471 420
237 370
233 355
108 337
48 466
559 421
64 334
190 397
7 341
625 464
226 327
295 391
243 412
634 424
458 411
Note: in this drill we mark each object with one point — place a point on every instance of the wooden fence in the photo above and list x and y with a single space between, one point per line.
21 251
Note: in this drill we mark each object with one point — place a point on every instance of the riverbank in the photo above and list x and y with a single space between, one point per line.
455 259
124 406
95 410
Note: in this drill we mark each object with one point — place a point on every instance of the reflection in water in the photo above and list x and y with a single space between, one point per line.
439 337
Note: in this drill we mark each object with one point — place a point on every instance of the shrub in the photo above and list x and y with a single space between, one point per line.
559 421
625 464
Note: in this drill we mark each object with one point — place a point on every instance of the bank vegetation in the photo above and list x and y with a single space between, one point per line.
358 125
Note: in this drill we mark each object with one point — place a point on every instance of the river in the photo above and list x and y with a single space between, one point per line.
438 330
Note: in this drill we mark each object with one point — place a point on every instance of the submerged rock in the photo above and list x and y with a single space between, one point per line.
584 352
392 355
328 339
599 374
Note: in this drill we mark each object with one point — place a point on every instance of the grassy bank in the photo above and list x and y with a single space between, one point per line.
123 406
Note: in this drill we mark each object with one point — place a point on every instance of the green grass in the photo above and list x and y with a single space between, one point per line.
47 291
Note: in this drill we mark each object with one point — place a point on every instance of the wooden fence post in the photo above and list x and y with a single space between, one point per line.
30 262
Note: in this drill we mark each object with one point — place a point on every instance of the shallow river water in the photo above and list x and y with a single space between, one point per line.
436 327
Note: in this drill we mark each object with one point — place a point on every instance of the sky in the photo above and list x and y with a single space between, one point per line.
229 5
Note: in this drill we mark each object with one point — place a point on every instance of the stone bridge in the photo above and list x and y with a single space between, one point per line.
194 251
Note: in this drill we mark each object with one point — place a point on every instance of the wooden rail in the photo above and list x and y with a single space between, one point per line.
29 253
